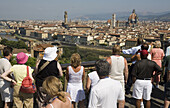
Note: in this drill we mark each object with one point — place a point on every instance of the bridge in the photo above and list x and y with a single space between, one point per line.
7 30
26 38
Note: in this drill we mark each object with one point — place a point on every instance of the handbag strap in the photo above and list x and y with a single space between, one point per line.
43 66
27 71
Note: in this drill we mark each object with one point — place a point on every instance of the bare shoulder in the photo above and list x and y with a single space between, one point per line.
125 59
108 60
48 106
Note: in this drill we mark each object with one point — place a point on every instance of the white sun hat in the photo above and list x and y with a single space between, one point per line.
50 53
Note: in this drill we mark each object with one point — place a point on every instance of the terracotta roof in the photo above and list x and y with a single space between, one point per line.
114 34
80 26
29 29
164 31
16 51
99 38
49 25
42 47
109 21
131 40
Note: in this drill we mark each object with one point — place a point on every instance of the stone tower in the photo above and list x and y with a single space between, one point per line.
111 24
114 20
65 17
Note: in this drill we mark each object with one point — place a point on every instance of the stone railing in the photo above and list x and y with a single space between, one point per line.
89 67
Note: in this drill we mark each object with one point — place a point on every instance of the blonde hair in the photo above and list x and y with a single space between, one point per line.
53 87
157 44
75 60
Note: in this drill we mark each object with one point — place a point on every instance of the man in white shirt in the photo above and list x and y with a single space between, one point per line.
5 86
107 92
133 51
168 50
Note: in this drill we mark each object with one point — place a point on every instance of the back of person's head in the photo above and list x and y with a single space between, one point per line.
140 41
144 54
102 68
53 87
7 50
157 44
144 46
22 58
75 60
116 49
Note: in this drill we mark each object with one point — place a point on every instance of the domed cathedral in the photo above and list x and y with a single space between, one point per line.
133 19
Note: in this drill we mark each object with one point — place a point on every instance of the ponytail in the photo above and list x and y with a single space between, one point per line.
61 96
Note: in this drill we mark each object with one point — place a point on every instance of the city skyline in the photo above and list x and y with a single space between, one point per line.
54 9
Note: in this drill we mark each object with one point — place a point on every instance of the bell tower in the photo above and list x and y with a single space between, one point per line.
65 17
114 20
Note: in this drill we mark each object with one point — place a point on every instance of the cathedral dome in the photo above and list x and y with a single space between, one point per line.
133 18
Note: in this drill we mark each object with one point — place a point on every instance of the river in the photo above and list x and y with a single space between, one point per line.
8 37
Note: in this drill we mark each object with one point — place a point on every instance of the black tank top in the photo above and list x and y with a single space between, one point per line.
50 70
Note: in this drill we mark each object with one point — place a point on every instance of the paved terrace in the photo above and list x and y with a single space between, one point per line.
157 99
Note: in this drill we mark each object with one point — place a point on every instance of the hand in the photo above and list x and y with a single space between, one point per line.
13 82
137 51
125 82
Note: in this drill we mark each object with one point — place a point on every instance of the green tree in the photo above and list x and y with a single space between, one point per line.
4 41
31 61
14 44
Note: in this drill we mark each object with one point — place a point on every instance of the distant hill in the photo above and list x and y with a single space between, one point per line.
164 16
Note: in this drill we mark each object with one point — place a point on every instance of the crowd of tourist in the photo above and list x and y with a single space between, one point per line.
105 87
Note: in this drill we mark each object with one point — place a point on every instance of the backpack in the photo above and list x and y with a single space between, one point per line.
27 85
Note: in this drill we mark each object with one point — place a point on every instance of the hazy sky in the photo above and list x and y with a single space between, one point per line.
54 9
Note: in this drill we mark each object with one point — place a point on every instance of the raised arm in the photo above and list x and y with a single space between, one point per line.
135 57
132 50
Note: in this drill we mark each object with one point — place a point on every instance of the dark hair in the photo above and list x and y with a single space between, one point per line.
140 41
102 67
116 49
143 56
144 46
7 50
